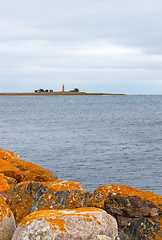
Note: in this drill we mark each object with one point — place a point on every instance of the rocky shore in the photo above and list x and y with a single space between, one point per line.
35 205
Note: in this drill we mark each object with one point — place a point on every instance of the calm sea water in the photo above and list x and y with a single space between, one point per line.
94 140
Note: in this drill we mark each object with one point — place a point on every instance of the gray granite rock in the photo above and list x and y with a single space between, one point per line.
74 224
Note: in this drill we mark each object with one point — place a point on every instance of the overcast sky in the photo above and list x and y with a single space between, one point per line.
94 45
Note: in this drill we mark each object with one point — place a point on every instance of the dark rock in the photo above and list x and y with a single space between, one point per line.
141 228
28 197
127 208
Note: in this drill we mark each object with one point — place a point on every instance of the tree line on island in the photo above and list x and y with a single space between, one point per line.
41 90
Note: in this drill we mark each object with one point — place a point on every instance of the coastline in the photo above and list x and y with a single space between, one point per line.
61 94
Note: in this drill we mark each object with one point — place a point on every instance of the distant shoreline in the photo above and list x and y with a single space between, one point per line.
61 94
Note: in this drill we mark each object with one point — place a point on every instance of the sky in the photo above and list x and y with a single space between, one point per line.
94 45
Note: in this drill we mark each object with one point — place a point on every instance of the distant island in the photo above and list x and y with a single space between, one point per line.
47 92
60 94
51 92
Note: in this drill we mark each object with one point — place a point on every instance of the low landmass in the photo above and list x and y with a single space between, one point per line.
60 94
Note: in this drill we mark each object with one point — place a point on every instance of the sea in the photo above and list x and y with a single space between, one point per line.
94 140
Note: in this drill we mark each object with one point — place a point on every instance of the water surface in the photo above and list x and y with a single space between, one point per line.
95 140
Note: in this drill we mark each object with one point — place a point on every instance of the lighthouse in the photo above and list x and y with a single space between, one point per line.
63 88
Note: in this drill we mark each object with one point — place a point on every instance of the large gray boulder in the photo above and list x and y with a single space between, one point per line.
75 224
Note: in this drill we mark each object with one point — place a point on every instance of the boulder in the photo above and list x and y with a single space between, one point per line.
103 192
28 197
76 224
29 171
141 229
7 222
127 208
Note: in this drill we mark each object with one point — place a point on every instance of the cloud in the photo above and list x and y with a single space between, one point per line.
80 43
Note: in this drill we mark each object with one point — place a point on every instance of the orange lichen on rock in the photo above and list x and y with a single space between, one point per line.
8 169
6 183
86 213
125 190
8 155
160 221
63 185
21 201
57 223
27 197
4 209
7 221
36 173
29 171
80 223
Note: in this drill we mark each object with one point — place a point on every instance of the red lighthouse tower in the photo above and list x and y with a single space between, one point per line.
63 88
